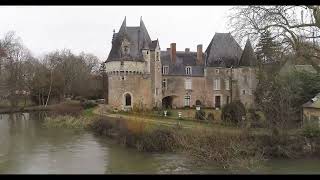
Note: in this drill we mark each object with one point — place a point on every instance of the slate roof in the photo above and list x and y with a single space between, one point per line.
223 51
137 36
248 57
153 45
313 103
183 59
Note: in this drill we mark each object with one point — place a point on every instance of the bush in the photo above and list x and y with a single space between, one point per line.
210 117
89 104
310 131
255 119
200 115
233 112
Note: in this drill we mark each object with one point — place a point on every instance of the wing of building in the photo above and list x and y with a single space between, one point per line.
140 75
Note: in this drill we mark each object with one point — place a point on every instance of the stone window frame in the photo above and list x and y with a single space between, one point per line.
165 81
188 70
188 83
185 98
217 84
243 92
124 99
163 69
227 84
221 100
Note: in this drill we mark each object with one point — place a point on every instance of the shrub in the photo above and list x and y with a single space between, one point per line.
311 131
200 115
233 112
101 126
210 117
89 104
255 119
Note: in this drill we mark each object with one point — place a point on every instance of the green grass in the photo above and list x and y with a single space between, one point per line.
88 112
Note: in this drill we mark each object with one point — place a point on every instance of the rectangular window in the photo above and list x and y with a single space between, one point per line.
243 92
188 83
216 84
164 83
188 70
187 100
227 84
165 69
157 56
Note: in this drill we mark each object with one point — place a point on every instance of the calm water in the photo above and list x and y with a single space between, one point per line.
29 148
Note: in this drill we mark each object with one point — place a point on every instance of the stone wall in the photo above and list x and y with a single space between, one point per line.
176 89
137 85
127 66
244 79
311 114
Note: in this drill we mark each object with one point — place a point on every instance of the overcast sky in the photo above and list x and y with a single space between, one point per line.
90 28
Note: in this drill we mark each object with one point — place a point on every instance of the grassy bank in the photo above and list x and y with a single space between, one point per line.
234 150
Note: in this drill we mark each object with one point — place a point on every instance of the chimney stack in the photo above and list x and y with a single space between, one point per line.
187 50
173 52
199 54
168 51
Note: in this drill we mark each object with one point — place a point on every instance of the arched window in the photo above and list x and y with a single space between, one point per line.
128 100
198 103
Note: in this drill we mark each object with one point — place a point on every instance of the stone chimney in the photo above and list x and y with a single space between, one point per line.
187 50
199 54
173 52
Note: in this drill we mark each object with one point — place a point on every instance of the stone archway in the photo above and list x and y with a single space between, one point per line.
167 102
127 100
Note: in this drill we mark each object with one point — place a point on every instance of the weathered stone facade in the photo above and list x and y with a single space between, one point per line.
140 75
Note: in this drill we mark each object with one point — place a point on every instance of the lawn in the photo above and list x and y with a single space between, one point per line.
153 120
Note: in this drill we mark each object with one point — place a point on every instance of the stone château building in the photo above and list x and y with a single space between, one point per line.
140 75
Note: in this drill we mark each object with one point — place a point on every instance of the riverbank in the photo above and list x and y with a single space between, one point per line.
66 107
233 150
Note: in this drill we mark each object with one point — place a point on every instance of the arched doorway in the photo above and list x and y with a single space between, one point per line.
167 102
127 99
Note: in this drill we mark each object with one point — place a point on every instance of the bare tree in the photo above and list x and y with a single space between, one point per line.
291 25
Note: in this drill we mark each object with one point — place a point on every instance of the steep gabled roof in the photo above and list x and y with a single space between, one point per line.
138 38
223 50
154 44
248 58
313 103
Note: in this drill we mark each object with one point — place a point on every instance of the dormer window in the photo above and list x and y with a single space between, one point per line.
165 69
125 47
188 70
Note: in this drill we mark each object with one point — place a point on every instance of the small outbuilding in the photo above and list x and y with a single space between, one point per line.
311 111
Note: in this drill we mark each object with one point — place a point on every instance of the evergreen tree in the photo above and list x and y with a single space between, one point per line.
267 49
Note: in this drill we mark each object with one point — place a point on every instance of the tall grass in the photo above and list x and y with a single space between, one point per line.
66 122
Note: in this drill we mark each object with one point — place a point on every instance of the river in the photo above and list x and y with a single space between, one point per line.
26 147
